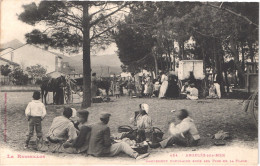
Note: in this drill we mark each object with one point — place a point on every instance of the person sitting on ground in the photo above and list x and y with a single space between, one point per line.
137 114
184 134
62 129
35 113
193 93
212 92
62 136
144 124
100 143
184 88
150 88
131 88
74 118
81 143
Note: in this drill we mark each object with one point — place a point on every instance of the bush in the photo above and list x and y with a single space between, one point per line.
5 70
19 77
38 82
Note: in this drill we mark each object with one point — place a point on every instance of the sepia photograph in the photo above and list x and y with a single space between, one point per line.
129 82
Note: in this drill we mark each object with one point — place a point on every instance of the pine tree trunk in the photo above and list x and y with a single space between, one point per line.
218 61
167 62
180 51
243 56
251 52
235 54
161 62
169 55
226 80
86 59
155 64
173 61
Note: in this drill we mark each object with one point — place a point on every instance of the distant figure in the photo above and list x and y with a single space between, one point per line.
35 113
148 90
173 88
117 90
93 85
112 87
212 92
217 83
131 88
184 88
192 79
142 86
164 86
156 88
193 93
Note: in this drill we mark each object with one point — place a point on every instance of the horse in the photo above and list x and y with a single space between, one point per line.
54 85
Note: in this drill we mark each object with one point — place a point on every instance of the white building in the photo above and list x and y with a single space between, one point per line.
29 55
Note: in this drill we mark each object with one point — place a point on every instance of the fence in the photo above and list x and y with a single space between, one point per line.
15 88
5 80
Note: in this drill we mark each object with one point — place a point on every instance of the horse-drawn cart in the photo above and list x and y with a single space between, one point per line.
251 87
74 88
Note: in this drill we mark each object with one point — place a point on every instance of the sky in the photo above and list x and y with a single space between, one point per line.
12 28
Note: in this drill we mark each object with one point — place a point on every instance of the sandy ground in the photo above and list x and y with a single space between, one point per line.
210 116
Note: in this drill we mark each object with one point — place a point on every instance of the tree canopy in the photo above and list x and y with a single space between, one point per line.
73 26
220 31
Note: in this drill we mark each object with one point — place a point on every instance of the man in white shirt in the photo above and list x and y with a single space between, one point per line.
185 133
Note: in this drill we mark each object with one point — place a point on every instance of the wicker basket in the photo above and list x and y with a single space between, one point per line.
141 149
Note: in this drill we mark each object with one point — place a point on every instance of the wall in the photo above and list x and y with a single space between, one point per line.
29 55
13 88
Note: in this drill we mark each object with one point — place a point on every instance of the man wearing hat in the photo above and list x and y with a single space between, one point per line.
82 142
100 142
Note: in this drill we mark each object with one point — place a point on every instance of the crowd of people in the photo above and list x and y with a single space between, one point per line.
165 85
71 132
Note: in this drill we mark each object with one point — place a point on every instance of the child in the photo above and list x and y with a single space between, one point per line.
117 90
212 92
35 113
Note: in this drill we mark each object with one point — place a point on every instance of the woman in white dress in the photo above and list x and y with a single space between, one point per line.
163 89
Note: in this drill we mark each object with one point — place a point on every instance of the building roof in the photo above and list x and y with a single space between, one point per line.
11 44
10 62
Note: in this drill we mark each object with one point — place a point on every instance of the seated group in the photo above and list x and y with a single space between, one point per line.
67 136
